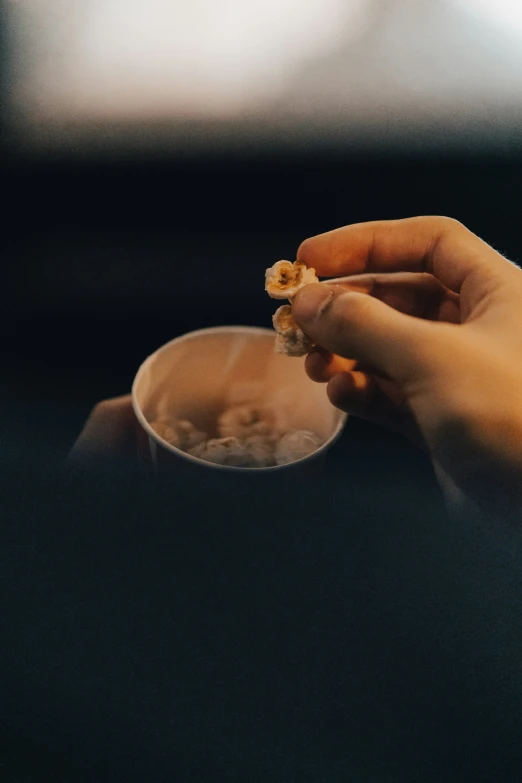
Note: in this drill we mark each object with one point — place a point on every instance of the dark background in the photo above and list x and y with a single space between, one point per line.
347 629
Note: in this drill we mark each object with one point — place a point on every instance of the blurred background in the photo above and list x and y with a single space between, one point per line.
158 155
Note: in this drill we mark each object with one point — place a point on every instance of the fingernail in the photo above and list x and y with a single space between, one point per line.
311 301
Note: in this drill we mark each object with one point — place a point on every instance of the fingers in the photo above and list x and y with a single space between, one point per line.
438 245
109 431
375 400
360 327
420 295
321 365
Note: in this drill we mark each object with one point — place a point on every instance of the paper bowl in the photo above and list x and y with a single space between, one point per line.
193 376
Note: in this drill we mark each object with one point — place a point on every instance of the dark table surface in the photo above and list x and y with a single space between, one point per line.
345 629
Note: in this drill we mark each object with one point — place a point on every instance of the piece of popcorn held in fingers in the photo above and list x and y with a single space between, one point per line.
290 338
282 281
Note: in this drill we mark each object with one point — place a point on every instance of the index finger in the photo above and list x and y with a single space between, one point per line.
440 246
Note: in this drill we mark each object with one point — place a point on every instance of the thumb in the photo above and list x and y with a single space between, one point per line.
358 326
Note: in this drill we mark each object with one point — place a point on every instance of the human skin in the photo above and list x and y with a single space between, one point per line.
109 433
424 336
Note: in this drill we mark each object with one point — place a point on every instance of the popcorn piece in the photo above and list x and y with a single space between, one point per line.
243 421
256 452
290 340
226 451
284 279
283 321
295 445
189 435
261 458
197 451
292 348
261 450
262 440
166 431
256 444
182 434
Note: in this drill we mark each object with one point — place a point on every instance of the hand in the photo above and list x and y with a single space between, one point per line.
434 352
110 432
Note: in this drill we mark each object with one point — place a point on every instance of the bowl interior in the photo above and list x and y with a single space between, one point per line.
197 375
